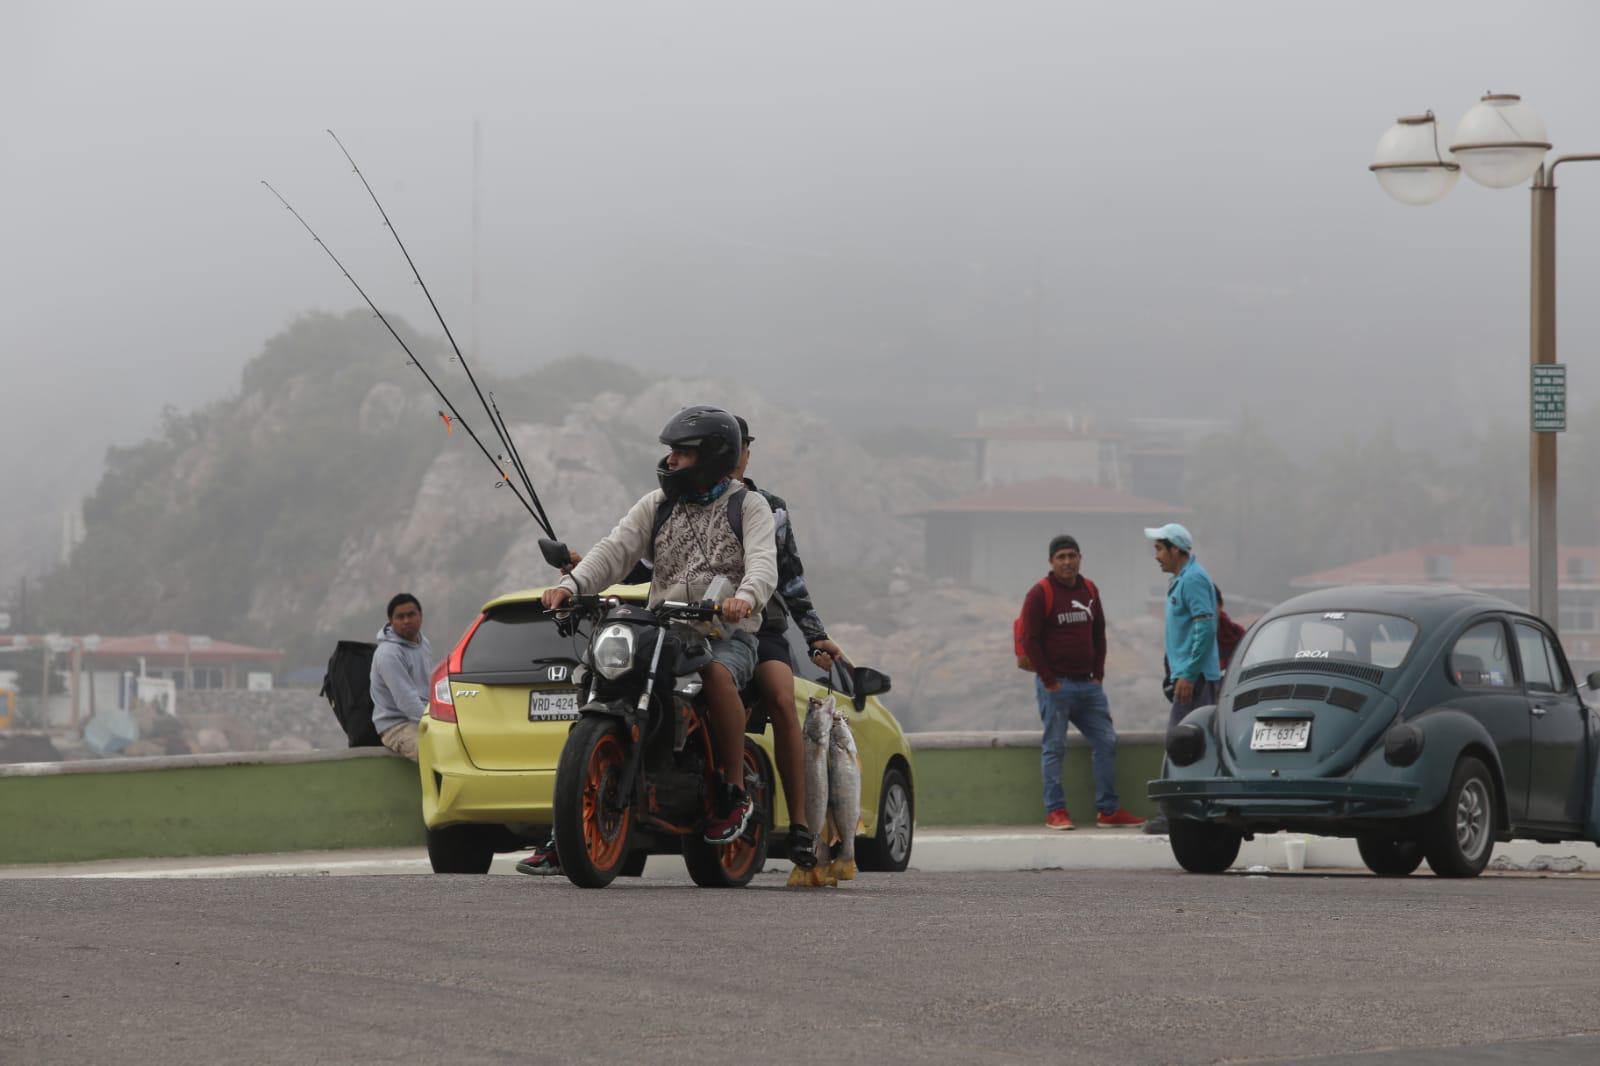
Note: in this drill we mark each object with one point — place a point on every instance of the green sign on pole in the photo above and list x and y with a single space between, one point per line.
1549 397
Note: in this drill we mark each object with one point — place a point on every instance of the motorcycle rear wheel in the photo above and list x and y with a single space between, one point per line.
591 838
733 864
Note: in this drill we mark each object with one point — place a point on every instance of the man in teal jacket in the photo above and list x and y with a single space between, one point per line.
1191 622
1191 629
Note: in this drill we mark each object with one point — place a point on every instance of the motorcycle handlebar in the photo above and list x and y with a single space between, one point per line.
587 606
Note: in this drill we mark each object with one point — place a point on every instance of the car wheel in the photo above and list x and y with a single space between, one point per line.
733 864
460 849
1388 857
1458 835
1203 848
889 849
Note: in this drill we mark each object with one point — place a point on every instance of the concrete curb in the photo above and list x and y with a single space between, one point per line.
997 849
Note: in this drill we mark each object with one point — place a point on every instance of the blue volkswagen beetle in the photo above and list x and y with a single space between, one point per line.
1425 722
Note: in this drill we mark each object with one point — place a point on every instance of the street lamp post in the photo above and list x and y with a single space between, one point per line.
1500 143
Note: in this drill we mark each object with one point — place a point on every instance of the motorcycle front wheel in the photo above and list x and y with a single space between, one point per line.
733 864
591 834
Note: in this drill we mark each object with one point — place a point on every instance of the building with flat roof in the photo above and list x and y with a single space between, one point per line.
998 538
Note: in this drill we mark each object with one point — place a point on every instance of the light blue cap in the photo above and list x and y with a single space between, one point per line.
1173 534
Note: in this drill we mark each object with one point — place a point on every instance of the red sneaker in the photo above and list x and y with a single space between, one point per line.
543 862
721 828
1057 819
1118 817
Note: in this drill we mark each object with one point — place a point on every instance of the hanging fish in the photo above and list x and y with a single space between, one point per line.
844 797
816 735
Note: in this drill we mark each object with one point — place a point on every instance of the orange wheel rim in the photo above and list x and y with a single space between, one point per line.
604 831
739 854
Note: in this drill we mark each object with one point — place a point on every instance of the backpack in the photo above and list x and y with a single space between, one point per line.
1016 627
348 688
1229 633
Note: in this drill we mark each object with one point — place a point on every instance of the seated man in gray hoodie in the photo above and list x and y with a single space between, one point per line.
399 681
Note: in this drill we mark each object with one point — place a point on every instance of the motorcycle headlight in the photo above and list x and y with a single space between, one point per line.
613 651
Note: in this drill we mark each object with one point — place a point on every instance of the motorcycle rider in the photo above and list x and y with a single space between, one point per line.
693 546
774 672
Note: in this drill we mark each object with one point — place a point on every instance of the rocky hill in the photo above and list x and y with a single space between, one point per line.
288 514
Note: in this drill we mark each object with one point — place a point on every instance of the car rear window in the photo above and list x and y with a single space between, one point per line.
513 638
1380 640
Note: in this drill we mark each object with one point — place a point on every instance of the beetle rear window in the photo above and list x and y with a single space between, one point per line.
1380 640
512 638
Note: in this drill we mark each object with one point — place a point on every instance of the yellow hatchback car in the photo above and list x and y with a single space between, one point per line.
504 701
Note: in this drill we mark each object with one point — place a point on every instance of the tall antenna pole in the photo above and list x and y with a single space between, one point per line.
477 215
1038 285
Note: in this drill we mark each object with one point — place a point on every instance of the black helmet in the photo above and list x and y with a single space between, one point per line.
715 435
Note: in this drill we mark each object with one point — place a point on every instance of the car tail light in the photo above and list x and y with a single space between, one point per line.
441 704
461 645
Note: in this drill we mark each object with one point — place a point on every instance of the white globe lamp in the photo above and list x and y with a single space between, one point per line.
1500 142
1411 162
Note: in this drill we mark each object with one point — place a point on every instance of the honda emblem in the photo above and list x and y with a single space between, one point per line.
558 673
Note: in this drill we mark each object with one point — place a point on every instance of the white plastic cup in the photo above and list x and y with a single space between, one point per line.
1294 854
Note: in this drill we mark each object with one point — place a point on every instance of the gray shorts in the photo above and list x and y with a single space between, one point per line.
738 654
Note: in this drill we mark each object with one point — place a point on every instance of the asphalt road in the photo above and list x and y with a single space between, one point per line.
1055 966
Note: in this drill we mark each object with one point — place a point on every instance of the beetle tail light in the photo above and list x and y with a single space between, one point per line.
1185 744
1402 745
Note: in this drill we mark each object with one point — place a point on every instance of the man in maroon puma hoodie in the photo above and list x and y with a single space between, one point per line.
1064 636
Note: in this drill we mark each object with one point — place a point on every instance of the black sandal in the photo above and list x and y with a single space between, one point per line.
802 847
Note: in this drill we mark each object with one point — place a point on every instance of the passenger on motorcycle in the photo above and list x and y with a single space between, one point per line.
774 674
693 546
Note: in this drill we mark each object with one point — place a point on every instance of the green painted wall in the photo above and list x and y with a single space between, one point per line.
1001 786
375 802
212 810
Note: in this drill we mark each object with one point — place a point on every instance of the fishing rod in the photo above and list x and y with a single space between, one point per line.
505 435
455 415
495 419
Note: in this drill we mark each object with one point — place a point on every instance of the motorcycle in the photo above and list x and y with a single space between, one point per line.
639 768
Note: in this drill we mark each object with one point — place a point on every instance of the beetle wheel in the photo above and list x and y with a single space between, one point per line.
1388 857
1458 835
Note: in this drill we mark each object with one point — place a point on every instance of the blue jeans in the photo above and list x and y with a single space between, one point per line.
1083 703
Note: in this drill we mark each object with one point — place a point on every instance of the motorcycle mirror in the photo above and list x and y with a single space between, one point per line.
555 553
1593 681
867 682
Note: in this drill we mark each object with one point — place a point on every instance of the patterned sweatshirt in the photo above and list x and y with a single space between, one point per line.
696 546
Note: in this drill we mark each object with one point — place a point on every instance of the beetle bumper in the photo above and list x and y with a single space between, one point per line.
1250 800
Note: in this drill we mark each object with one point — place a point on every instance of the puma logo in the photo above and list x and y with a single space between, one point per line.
1084 612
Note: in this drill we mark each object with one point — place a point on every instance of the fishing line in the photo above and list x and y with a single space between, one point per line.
498 423
538 516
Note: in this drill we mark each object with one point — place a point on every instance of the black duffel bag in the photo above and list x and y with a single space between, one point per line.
348 688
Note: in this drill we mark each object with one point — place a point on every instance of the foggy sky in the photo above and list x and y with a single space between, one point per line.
850 201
